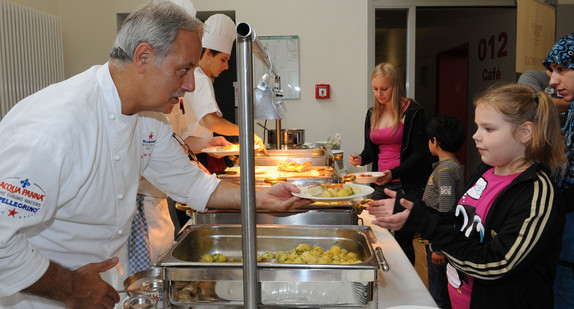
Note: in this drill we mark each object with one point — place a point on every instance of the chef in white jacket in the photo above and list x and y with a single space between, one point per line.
201 109
160 226
72 155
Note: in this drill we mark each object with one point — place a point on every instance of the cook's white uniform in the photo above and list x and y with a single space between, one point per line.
159 224
199 103
70 163
160 227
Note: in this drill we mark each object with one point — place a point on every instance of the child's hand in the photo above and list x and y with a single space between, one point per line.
438 259
383 211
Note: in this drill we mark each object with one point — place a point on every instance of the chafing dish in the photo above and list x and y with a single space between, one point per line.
281 285
317 157
314 214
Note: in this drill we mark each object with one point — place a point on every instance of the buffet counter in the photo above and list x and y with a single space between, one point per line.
401 285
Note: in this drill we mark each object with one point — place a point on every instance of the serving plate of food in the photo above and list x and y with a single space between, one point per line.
367 177
229 150
327 192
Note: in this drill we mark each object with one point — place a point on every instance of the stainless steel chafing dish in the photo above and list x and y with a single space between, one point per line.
188 282
317 157
313 214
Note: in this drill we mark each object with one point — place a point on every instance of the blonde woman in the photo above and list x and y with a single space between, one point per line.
395 142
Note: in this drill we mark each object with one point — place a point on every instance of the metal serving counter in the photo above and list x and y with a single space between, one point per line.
401 286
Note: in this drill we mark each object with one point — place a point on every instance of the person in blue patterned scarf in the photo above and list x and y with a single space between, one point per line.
560 61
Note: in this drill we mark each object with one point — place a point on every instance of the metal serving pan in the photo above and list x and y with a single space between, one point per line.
188 282
313 214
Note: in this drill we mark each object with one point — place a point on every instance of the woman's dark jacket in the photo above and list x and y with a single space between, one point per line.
514 266
415 160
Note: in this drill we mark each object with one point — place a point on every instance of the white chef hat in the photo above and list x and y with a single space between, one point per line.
187 5
219 33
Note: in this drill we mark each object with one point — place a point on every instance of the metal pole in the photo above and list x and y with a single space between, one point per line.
247 163
278 135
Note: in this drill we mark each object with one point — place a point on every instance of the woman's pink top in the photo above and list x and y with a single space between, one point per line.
389 146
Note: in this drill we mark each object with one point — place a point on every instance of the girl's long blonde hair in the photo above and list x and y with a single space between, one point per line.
519 104
389 71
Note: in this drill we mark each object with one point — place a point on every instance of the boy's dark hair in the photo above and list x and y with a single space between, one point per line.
449 132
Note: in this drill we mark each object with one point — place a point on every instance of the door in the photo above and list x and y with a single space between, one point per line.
452 88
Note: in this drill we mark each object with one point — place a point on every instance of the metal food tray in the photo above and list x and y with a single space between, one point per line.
313 214
351 285
317 157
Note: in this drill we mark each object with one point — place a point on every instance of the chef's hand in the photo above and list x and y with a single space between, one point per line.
80 288
258 141
355 160
279 198
89 290
386 178
196 144
383 211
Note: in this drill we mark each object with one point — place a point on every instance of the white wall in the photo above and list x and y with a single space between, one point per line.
332 50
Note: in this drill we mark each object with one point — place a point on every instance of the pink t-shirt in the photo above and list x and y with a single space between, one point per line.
474 206
389 146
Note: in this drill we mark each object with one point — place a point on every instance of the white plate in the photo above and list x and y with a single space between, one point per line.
361 189
364 180
220 151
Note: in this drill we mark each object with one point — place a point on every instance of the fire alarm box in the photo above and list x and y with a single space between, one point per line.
322 91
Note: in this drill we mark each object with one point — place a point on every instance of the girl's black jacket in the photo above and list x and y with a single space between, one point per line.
415 166
515 264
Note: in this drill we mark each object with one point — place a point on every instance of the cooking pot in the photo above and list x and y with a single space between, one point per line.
289 137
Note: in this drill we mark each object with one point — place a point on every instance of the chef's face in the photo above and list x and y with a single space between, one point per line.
562 78
218 63
382 89
174 77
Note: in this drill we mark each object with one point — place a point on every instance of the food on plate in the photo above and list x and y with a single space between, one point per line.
365 175
234 147
332 190
294 167
302 254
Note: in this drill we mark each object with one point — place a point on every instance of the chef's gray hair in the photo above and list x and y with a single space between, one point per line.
158 24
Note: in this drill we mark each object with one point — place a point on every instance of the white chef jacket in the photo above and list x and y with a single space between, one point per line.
199 103
70 163
160 227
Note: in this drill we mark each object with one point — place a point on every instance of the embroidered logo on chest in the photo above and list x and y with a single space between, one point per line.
147 145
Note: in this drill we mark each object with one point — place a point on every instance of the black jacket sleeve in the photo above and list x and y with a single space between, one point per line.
523 226
366 154
415 153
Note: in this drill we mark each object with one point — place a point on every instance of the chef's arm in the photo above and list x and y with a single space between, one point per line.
80 288
276 198
221 126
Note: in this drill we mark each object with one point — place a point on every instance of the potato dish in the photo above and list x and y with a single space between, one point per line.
303 254
332 190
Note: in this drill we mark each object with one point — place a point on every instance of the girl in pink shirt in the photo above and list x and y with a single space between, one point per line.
503 240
